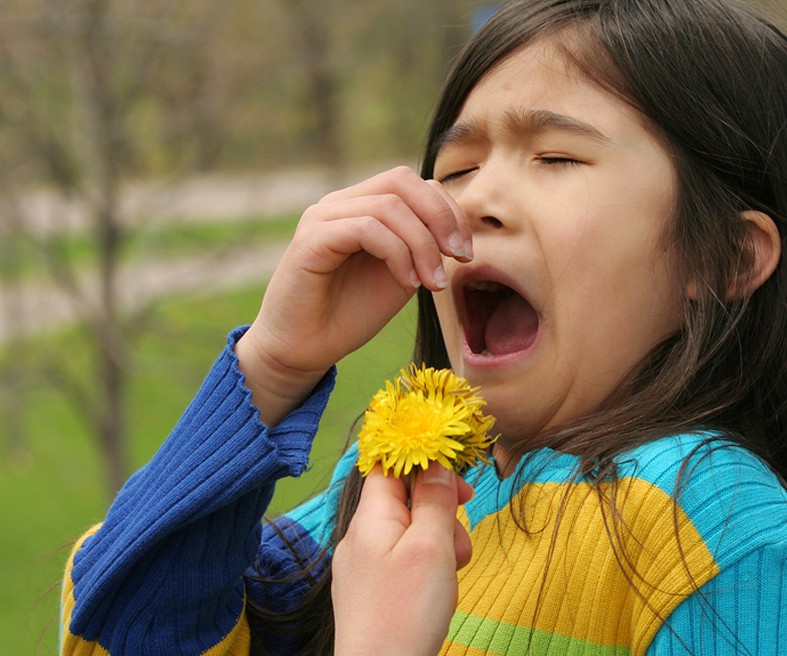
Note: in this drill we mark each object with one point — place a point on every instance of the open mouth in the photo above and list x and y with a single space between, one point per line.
498 320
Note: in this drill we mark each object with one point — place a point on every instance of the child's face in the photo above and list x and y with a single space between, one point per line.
569 197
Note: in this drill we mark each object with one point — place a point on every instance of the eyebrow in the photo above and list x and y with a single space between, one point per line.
518 123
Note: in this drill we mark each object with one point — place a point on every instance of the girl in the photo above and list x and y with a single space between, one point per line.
596 240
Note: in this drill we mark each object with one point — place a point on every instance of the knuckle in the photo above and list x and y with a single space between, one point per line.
331 197
311 213
368 225
389 203
426 550
341 558
355 541
340 552
403 172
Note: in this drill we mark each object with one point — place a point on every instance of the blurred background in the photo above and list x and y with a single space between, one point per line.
154 158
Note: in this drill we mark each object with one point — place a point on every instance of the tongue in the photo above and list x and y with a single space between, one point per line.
511 327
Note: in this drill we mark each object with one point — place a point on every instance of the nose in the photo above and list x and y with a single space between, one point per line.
485 197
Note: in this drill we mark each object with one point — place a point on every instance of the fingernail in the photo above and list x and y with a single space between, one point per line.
440 278
469 249
415 281
457 245
436 474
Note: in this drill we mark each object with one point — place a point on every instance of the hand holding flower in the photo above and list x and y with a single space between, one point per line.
394 573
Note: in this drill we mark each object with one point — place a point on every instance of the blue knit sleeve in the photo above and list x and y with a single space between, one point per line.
740 509
164 573
294 553
742 611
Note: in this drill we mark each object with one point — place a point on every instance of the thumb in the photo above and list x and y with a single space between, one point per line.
435 498
436 495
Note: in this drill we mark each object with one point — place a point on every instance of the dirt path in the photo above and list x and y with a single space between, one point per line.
204 198
43 308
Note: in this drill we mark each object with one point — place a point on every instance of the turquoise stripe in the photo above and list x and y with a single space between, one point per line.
502 638
318 515
658 462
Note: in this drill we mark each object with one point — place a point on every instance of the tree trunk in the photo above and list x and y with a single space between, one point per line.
13 383
13 389
111 419
104 163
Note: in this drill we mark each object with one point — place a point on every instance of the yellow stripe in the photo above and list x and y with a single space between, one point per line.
585 594
236 643
72 645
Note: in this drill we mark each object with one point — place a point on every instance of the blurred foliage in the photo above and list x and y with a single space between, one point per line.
237 84
95 94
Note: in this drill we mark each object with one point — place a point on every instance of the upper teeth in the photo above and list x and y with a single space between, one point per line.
485 286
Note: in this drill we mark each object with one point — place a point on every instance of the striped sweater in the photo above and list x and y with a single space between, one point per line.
699 563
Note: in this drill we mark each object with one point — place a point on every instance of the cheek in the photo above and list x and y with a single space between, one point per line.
615 286
618 321
611 249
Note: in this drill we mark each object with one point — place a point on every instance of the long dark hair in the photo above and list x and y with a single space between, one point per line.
710 77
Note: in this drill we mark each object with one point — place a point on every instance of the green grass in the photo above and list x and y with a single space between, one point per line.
48 498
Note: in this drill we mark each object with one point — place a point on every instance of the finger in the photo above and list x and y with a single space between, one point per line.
396 215
435 499
466 491
441 216
383 505
462 545
328 245
464 230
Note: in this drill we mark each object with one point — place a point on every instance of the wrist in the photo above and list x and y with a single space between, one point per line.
276 389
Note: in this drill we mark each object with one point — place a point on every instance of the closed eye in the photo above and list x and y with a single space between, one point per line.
557 161
456 175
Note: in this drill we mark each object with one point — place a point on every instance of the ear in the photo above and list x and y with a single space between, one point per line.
763 246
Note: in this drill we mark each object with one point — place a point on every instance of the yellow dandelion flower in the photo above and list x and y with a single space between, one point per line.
425 415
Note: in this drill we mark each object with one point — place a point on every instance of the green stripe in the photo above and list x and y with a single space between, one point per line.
502 638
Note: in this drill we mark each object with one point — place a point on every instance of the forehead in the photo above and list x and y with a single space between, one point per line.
538 88
539 63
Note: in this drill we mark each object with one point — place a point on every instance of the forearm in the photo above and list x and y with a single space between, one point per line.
167 563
